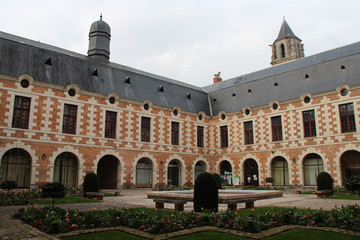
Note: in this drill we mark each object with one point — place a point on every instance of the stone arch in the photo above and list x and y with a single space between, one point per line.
261 173
251 172
155 167
280 171
350 164
66 169
312 165
275 154
207 167
144 173
120 166
301 158
226 167
70 149
15 165
337 167
182 172
34 173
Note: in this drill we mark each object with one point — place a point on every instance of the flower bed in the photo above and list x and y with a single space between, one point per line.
25 197
61 221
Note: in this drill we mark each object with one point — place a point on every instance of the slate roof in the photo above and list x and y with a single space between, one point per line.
324 73
23 56
313 74
285 31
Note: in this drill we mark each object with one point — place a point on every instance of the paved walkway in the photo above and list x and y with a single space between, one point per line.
14 229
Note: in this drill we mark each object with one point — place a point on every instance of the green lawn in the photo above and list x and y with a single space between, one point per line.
295 234
339 195
344 196
104 235
71 198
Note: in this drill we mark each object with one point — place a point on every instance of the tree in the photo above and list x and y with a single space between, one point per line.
352 184
53 190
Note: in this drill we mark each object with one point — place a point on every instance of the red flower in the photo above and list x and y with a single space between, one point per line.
275 223
37 223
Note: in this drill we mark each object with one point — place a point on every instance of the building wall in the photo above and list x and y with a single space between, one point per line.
44 140
330 143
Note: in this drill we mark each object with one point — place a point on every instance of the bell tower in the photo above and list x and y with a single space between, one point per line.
99 41
287 46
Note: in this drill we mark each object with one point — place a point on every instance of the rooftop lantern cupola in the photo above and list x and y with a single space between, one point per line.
287 46
99 41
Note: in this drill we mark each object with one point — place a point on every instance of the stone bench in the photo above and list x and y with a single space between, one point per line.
232 203
323 193
179 204
92 195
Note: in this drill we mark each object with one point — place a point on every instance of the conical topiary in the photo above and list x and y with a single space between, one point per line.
206 195
91 183
217 179
324 181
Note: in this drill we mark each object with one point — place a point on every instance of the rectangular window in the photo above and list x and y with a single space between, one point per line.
200 136
224 136
248 132
145 129
110 124
309 123
347 118
69 120
21 112
174 133
276 128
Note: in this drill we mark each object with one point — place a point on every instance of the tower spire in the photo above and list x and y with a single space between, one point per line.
287 46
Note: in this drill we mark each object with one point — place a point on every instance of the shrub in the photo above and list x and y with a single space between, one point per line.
269 180
206 195
324 181
53 190
217 180
352 184
91 183
8 185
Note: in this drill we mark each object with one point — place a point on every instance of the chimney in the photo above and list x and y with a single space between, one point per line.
217 77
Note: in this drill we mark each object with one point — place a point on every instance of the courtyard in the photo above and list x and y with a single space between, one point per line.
15 229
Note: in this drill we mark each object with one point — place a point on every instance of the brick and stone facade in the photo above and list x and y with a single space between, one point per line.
42 152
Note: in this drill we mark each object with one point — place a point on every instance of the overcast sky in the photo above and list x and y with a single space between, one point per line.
186 40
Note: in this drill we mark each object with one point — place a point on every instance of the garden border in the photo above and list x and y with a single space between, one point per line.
263 234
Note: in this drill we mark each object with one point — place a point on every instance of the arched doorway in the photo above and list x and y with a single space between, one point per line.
66 169
350 164
251 173
107 171
200 167
280 171
144 173
174 173
226 173
16 166
313 165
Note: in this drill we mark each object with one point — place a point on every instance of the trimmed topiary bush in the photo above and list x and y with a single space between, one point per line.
352 184
91 183
324 181
217 180
53 190
206 194
8 185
